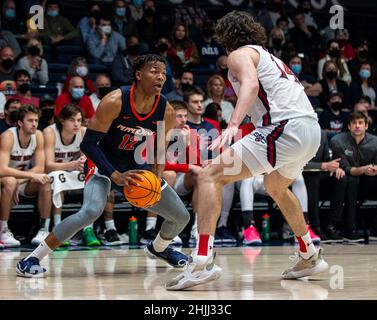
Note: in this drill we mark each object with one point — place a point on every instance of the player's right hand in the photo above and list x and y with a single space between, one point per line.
127 178
41 178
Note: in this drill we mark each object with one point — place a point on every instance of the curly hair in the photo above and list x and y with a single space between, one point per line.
237 29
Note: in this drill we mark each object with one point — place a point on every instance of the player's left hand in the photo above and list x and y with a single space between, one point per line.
225 137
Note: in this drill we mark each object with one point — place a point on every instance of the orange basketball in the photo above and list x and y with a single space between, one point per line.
147 194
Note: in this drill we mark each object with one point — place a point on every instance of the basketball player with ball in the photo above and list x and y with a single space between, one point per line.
123 122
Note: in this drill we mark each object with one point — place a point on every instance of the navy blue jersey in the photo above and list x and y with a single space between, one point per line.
129 130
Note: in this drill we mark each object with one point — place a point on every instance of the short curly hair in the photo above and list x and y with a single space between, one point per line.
237 29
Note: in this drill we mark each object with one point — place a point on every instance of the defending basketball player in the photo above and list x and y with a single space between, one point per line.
287 136
123 120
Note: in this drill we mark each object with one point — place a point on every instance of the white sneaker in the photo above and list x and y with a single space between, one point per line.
2 245
177 241
194 275
193 236
306 267
40 236
8 240
124 238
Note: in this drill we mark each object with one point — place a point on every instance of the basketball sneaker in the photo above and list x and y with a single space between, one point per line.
111 238
2 245
30 268
8 240
315 238
89 238
173 257
251 236
306 267
194 275
226 237
177 241
40 236
148 235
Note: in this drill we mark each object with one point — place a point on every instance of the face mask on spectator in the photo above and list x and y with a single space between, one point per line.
337 105
77 93
52 13
149 13
7 64
276 43
133 50
334 53
224 72
296 68
48 113
106 29
34 51
364 73
82 71
162 47
24 88
137 3
10 13
13 116
363 54
332 74
186 86
103 91
120 12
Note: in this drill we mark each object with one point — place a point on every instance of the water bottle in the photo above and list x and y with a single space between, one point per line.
266 227
132 231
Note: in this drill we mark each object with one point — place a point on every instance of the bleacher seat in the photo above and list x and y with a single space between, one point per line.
66 53
38 90
57 72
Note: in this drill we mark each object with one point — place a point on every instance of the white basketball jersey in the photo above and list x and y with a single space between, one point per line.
66 153
281 96
21 158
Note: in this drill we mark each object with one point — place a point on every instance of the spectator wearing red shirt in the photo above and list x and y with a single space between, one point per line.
79 68
23 93
75 95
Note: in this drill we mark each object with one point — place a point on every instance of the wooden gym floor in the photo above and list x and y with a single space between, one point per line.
248 274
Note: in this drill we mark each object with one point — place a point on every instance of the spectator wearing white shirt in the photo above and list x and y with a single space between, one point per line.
102 87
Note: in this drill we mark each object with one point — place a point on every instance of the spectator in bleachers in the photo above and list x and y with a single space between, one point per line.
184 83
150 27
276 42
7 39
7 70
121 68
47 107
213 112
102 87
11 108
75 95
105 43
190 14
363 106
317 174
306 38
362 56
3 100
183 47
9 19
331 83
57 28
306 7
333 120
364 84
358 152
346 49
22 164
215 92
277 10
312 88
333 53
79 68
162 47
23 91
87 24
209 50
222 70
136 9
284 23
33 62
258 9
123 23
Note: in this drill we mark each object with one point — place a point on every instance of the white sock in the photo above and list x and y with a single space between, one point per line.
306 246
110 225
224 215
41 251
160 244
204 249
57 218
89 226
3 225
151 223
45 224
